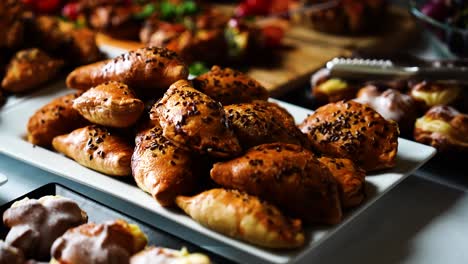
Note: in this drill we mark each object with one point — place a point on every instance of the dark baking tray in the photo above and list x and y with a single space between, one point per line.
99 213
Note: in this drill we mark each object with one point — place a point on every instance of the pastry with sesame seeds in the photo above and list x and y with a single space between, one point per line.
286 175
28 69
262 122
97 148
354 131
110 104
148 71
53 119
239 215
194 121
161 168
229 86
350 178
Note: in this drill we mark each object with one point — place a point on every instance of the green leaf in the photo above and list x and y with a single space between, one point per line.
168 10
147 11
198 68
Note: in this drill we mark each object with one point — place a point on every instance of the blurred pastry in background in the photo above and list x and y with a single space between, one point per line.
239 215
350 178
36 223
429 94
12 27
10 254
326 89
28 69
392 105
161 255
354 131
113 242
444 128
115 20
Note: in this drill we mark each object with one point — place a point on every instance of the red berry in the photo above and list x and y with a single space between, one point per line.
71 11
47 6
272 36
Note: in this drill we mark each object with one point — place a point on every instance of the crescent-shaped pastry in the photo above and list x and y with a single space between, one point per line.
287 175
161 168
243 216
229 86
194 121
350 178
53 119
35 224
98 149
354 131
148 70
110 104
113 242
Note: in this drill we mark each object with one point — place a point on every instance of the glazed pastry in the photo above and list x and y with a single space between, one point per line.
161 168
194 121
98 149
432 94
110 104
262 122
391 104
35 224
28 69
147 70
229 86
11 24
113 242
155 255
83 47
354 131
350 179
444 128
53 119
116 20
286 175
10 254
243 216
326 89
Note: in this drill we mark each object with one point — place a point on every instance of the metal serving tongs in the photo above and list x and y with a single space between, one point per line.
385 70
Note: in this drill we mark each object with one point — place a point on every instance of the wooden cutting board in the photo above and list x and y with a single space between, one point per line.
307 50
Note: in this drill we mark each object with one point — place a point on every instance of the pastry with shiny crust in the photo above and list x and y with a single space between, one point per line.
35 224
110 104
161 168
10 254
354 131
287 175
350 178
430 94
194 121
147 70
152 255
326 89
53 119
229 86
113 242
444 128
239 215
28 69
391 104
98 149
262 122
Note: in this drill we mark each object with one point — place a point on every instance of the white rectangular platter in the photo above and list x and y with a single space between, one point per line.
13 122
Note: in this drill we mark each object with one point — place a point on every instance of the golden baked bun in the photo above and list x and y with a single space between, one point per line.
326 89
97 148
194 121
28 69
161 168
354 131
262 122
113 242
350 179
35 224
286 175
110 104
444 128
151 255
429 94
229 86
53 119
148 71
243 216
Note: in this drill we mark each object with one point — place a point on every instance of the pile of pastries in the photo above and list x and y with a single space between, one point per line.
433 113
55 228
34 49
215 147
